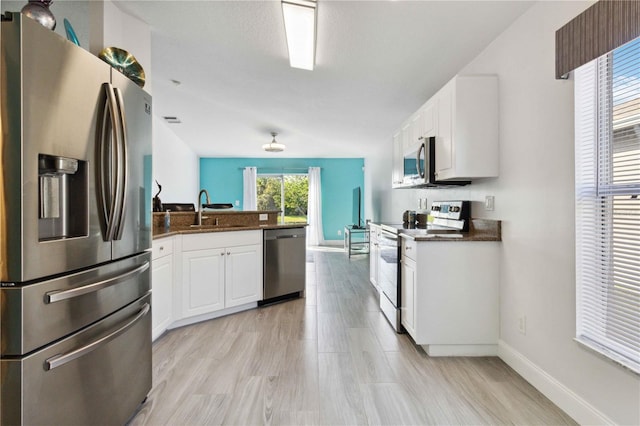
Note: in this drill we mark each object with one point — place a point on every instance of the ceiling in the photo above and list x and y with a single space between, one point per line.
376 63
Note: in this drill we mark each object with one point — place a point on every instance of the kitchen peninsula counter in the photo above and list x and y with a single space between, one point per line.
222 228
228 220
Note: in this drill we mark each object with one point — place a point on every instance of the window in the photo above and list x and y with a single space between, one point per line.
289 190
608 204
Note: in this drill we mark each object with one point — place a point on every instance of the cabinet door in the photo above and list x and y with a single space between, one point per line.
417 131
429 118
397 158
406 137
161 300
444 138
244 275
202 281
408 296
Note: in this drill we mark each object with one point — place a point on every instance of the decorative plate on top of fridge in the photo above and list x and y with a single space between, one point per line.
71 34
124 62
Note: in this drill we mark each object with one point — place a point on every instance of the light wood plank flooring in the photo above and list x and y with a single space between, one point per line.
331 359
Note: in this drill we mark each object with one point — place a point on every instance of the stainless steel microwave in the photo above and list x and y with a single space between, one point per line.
419 167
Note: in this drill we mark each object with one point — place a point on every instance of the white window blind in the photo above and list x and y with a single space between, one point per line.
607 120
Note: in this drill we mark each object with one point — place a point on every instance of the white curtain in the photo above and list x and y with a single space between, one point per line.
315 237
250 191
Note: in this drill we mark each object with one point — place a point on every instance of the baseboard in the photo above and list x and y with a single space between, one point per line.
572 404
212 315
461 350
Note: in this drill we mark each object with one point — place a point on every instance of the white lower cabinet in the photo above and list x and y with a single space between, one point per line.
203 284
243 283
449 296
161 286
408 295
219 271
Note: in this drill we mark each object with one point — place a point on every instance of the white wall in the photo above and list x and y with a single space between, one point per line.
377 177
534 197
111 27
175 166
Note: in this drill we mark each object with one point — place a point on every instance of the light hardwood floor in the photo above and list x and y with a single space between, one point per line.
331 359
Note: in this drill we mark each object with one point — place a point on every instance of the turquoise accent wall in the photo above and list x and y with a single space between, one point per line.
222 178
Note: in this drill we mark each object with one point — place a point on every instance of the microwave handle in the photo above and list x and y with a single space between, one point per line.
421 153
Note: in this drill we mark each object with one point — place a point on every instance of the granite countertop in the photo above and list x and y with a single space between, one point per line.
222 228
479 230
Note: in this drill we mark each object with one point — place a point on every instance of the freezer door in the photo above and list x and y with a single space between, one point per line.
51 103
36 314
97 376
133 231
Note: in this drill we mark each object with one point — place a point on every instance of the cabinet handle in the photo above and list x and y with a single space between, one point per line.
228 253
59 295
222 254
161 248
407 248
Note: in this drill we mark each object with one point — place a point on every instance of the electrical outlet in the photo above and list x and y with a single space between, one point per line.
339 232
263 216
237 203
489 203
522 324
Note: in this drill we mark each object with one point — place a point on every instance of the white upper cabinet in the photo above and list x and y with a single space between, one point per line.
407 136
430 118
463 116
417 132
467 135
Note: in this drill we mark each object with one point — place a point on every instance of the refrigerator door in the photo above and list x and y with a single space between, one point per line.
133 231
52 102
36 314
97 376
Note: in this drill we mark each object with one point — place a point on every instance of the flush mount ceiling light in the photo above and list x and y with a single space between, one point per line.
273 146
300 29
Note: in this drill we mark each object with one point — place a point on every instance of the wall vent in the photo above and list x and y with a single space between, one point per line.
172 120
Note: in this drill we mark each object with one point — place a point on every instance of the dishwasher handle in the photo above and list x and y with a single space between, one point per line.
270 236
280 237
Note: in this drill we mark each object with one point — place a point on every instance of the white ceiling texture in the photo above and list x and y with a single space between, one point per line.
376 63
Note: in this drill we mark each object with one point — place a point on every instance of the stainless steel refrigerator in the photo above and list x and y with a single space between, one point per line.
75 233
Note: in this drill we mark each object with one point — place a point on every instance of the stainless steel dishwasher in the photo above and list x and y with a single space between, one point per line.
284 264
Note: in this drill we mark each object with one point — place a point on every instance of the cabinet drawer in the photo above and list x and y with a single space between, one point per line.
162 247
210 240
409 248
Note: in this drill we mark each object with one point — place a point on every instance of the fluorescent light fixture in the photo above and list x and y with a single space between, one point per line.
300 29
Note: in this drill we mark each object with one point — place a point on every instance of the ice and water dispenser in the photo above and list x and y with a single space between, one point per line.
63 198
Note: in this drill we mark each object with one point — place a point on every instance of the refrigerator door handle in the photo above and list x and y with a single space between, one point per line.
106 158
62 359
57 296
122 172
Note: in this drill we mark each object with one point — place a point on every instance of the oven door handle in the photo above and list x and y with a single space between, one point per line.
389 236
59 295
62 359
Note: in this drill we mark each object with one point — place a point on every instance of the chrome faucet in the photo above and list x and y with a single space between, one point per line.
200 204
